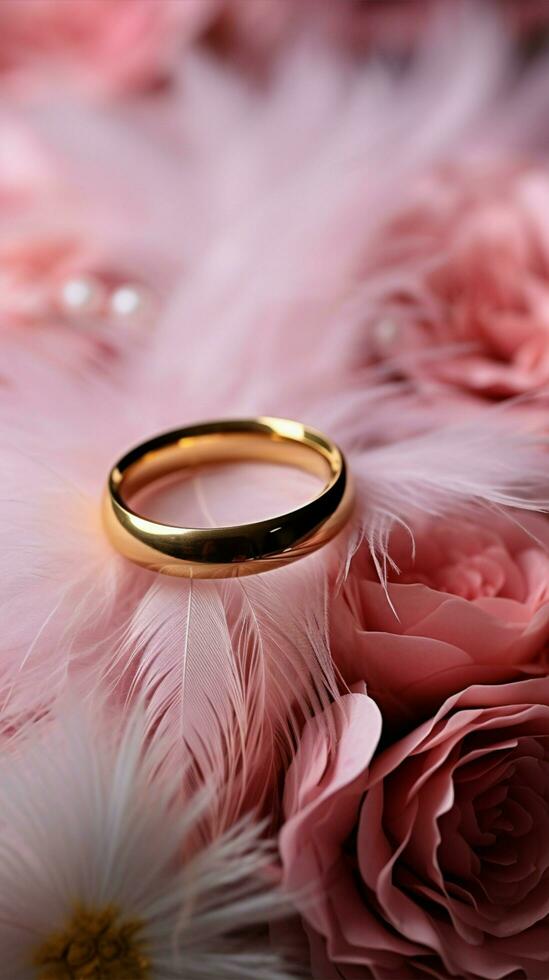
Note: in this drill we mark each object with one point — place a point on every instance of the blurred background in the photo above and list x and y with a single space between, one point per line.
274 206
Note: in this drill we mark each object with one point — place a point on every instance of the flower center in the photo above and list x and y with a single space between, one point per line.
95 945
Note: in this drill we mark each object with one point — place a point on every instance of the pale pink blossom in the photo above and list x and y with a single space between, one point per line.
469 302
322 798
467 601
430 860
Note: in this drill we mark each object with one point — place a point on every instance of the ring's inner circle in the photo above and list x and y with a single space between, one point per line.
192 452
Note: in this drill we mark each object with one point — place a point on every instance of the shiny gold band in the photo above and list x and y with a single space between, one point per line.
221 552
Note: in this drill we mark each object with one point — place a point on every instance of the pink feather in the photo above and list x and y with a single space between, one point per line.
262 212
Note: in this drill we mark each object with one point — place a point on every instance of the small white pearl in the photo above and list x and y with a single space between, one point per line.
385 331
127 301
81 295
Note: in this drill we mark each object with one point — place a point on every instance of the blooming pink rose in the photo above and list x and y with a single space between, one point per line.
470 604
472 309
432 859
101 45
321 799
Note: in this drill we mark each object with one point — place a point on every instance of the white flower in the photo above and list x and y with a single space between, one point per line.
101 876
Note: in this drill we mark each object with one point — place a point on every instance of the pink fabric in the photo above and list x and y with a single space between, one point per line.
468 602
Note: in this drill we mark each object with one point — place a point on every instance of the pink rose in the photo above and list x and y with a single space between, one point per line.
101 45
321 801
472 309
431 861
469 605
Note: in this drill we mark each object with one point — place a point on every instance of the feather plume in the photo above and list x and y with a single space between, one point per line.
487 462
226 680
264 308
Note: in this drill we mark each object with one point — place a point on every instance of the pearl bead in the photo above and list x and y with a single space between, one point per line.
83 294
127 301
385 331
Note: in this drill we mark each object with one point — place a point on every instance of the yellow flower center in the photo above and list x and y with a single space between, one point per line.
95 945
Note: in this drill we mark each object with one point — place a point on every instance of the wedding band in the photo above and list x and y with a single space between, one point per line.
223 552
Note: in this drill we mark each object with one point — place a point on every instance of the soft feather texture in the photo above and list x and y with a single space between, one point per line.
304 243
254 215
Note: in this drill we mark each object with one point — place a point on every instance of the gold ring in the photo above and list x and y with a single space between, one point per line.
222 552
